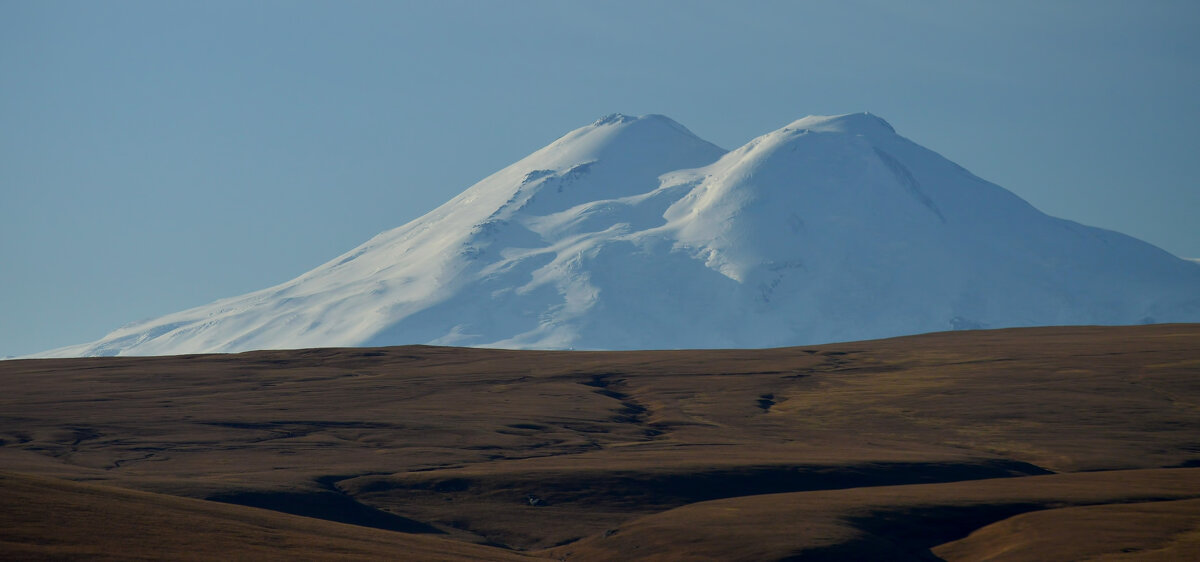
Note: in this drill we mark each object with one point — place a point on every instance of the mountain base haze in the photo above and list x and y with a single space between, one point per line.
633 233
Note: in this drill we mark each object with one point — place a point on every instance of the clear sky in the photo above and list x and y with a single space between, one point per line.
159 155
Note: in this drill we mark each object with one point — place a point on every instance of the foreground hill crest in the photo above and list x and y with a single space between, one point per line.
632 232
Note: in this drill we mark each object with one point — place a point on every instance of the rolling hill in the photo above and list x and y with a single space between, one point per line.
950 445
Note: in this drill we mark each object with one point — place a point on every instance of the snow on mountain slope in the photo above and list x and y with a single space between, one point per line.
632 232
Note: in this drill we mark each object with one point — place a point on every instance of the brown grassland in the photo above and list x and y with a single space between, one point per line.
1063 443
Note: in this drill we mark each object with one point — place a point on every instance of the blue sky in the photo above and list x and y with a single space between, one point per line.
156 156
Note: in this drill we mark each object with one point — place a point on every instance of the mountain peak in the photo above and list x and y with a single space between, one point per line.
651 120
853 123
621 119
654 140
632 232
614 119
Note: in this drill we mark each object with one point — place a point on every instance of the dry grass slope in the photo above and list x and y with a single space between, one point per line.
829 450
896 522
1157 530
46 518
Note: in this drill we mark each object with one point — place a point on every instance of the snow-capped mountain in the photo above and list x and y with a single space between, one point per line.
631 232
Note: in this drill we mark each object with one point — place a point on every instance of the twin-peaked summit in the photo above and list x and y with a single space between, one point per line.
632 232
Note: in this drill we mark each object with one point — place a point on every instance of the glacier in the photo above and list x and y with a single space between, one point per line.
634 233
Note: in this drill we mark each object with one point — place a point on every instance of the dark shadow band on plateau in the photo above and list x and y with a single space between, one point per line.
327 505
905 535
649 491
